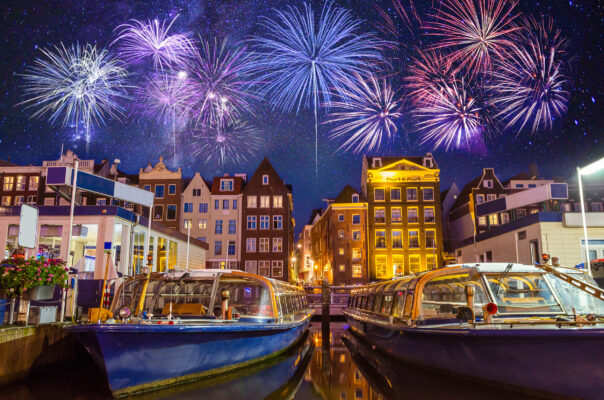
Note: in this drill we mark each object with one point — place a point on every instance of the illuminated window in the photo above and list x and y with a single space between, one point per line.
430 238
412 217
482 221
395 194
8 183
414 263
250 245
356 254
411 194
357 271
34 181
265 201
380 215
380 239
277 268
20 183
264 268
428 194
505 218
430 261
356 235
6 200
429 215
413 239
493 220
342 268
397 265
263 245
277 245
381 267
396 215
378 195
187 223
341 251
340 234
252 201
397 239
277 201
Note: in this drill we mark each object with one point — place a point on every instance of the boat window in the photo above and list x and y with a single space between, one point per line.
399 303
363 302
522 292
247 297
378 302
443 294
574 298
283 302
183 298
387 304
370 299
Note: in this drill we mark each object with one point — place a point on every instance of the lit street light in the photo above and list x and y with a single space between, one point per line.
588 170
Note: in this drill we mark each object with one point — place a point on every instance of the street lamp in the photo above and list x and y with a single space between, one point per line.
588 170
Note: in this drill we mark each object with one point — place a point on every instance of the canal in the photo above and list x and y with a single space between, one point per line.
342 367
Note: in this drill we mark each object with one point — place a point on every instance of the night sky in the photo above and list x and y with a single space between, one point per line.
26 26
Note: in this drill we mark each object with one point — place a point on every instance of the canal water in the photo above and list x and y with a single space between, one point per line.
340 367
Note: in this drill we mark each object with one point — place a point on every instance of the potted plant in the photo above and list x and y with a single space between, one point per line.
34 278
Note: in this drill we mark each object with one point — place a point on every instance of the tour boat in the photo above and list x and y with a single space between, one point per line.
534 328
181 326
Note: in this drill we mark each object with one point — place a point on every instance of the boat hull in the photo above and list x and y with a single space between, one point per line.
565 361
137 358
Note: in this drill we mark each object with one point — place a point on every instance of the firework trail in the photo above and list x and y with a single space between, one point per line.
220 86
304 59
368 110
429 72
163 97
77 83
139 40
451 117
476 31
530 84
225 141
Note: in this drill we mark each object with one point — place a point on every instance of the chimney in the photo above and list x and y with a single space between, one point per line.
533 171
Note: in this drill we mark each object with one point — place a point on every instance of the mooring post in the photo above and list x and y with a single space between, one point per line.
325 342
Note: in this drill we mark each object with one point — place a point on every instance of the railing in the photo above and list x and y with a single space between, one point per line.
338 298
58 163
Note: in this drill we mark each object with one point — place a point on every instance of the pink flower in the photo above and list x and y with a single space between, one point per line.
49 279
66 269
51 275
39 279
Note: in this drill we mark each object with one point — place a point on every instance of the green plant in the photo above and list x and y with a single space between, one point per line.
18 274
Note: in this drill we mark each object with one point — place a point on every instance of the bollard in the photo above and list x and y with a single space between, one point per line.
11 314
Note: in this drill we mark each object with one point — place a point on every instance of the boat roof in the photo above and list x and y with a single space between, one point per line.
515 267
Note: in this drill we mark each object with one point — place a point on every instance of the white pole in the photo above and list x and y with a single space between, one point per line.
584 221
148 237
188 239
72 207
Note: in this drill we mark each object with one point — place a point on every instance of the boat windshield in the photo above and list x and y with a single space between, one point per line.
575 298
519 293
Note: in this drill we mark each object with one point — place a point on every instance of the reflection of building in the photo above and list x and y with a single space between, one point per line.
96 225
304 258
166 185
338 235
404 215
267 225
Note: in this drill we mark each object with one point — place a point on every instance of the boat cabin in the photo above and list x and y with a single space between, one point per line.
209 295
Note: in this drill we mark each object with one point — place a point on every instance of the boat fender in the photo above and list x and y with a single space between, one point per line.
225 303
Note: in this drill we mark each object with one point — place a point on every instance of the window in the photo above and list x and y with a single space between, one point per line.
414 263
519 185
171 212
264 222
380 215
357 271
277 245
8 183
250 245
341 268
482 221
356 235
380 267
101 202
171 189
596 207
340 217
340 234
231 248
251 267
264 268
491 197
355 198
217 248
187 223
277 221
263 245
413 239
20 183
505 218
356 254
277 268
188 207
251 222
34 181
158 212
430 238
378 194
532 185
396 215
397 239
395 194
430 261
218 227
488 183
232 226
493 220
196 192
225 204
234 204
412 217
428 194
429 215
411 194
19 200
397 265
265 179
479 198
32 199
265 201
341 251
356 219
159 191
147 188
252 201
226 185
203 207
202 224
277 201
380 239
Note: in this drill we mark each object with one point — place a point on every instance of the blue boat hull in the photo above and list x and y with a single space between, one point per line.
143 357
557 361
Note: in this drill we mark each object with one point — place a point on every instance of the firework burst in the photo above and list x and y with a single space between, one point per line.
304 59
429 72
476 31
227 141
219 83
139 40
77 83
367 114
530 87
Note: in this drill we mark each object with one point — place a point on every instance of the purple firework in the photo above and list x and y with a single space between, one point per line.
429 72
139 40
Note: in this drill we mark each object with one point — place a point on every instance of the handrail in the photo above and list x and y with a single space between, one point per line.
586 287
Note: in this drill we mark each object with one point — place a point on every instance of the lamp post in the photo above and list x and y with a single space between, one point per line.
588 170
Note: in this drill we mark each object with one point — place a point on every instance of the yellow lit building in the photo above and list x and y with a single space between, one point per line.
404 229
